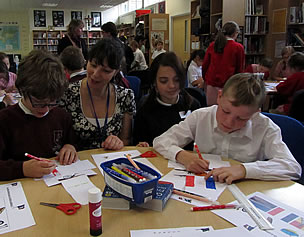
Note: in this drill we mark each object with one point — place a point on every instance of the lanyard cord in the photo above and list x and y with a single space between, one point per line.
103 132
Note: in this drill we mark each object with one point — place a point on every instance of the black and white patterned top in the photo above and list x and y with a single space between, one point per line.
87 133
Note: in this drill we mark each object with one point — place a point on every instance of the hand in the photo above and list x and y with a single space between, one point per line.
67 155
112 143
199 83
9 99
36 169
143 144
192 162
227 174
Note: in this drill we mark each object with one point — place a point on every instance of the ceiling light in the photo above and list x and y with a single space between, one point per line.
106 6
48 4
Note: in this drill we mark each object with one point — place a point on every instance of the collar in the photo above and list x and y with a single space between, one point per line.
78 73
26 110
229 38
165 104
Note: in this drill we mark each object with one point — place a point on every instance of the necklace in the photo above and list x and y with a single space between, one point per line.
104 129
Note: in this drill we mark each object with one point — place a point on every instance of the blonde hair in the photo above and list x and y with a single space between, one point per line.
245 89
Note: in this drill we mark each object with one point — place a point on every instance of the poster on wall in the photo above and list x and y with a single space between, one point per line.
58 18
96 19
77 15
156 36
39 18
162 7
9 36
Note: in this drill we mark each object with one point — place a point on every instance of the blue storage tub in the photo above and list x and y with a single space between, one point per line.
135 192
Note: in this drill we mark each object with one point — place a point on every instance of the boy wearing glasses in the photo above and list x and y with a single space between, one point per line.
36 125
234 129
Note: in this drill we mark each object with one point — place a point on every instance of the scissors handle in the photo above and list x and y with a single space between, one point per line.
69 208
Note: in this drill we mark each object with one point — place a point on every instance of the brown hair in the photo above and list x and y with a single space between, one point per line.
72 58
287 50
245 89
134 43
41 74
228 29
75 23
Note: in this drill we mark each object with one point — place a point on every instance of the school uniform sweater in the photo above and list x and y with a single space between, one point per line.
21 133
154 118
253 68
219 67
287 88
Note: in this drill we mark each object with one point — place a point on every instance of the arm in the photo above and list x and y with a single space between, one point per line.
194 78
277 73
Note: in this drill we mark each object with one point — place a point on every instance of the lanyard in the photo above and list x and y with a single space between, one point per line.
103 132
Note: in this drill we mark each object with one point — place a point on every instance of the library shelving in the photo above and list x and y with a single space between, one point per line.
48 40
127 30
156 26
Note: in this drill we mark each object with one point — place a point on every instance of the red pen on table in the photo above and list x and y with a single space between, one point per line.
213 207
39 159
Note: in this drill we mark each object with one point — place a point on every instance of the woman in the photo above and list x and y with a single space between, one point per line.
167 104
281 71
102 111
73 37
223 58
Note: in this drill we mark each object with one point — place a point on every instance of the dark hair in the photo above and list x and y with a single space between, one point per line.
296 61
266 62
228 29
110 27
75 23
199 52
108 50
169 59
3 56
41 74
72 58
4 70
245 89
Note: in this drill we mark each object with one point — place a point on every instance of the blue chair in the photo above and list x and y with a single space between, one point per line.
135 86
293 135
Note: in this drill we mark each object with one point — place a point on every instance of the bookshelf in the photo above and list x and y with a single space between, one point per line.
127 30
295 25
48 40
156 26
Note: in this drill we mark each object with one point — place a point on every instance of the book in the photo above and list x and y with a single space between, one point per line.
163 193
113 200
299 38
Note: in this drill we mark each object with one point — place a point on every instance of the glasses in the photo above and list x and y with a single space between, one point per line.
43 105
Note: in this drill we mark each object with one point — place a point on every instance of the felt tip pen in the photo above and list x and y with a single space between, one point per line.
55 171
145 174
130 173
119 176
198 151
214 207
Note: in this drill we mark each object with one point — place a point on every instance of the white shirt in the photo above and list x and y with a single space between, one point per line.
156 53
259 144
140 58
194 72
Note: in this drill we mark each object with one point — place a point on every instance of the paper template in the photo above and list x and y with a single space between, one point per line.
171 232
78 188
286 220
15 212
80 167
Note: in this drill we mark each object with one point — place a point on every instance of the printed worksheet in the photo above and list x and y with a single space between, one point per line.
286 220
15 212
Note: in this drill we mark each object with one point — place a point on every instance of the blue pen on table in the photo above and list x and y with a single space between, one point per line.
119 176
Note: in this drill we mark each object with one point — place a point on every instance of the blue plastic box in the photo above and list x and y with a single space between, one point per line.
135 192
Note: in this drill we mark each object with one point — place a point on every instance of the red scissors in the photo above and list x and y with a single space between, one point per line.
68 208
148 154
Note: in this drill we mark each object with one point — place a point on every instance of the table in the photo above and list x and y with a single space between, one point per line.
52 222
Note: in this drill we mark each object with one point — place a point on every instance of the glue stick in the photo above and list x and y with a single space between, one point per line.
95 211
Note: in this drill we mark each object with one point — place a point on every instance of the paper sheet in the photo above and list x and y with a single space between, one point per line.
78 188
286 220
170 232
15 212
80 167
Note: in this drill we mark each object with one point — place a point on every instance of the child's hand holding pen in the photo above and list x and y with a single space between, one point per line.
191 162
37 168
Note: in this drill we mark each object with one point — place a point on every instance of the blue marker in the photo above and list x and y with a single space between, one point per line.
118 175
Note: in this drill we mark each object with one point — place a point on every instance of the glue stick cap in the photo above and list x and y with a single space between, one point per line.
94 195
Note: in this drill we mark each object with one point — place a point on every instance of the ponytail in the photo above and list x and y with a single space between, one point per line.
228 30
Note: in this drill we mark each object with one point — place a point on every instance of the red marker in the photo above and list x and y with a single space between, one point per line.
55 171
198 151
213 207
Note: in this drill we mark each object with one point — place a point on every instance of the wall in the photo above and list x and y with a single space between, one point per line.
22 20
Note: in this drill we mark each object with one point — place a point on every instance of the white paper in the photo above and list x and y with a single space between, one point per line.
170 232
16 213
190 201
80 167
78 188
286 220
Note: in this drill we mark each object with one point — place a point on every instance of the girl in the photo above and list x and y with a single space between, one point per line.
281 71
194 69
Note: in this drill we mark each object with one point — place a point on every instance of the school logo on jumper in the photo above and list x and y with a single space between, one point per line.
57 139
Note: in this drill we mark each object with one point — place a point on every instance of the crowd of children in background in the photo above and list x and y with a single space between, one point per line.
97 111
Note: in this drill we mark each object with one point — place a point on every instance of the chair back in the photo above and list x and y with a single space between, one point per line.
135 86
198 94
296 108
293 135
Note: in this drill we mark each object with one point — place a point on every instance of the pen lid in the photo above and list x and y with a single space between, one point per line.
94 195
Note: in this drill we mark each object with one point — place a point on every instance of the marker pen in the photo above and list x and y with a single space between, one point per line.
214 207
55 171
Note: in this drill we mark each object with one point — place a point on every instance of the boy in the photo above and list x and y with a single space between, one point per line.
35 125
263 67
235 129
159 49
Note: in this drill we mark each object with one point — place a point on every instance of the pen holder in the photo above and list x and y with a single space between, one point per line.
135 192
